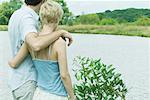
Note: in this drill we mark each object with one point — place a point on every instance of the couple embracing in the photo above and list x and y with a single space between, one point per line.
39 69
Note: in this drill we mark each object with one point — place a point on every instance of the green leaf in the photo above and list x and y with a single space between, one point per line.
98 81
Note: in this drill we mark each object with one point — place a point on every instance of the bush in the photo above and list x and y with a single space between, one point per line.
144 21
3 28
3 20
121 21
7 9
88 19
97 81
70 21
108 21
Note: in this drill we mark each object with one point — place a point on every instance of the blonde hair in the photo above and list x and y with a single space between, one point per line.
50 12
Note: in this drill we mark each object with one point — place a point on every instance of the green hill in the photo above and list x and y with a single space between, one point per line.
126 15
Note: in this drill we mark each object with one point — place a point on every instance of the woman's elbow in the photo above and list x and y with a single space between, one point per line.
65 76
12 65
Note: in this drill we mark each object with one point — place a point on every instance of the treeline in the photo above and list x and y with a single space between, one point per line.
7 9
126 16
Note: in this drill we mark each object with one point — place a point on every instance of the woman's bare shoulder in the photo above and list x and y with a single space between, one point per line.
59 43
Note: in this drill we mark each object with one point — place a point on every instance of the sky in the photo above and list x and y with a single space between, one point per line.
78 7
92 6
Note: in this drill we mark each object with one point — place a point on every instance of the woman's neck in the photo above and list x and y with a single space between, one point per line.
48 29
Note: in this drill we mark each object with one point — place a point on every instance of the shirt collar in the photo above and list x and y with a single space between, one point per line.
34 14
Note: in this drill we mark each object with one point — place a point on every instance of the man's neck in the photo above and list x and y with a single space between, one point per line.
33 7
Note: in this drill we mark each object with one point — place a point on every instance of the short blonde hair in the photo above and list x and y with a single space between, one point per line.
50 12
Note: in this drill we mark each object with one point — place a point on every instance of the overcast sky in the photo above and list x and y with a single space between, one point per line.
92 6
78 7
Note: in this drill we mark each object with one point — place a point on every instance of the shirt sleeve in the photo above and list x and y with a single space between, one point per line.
27 25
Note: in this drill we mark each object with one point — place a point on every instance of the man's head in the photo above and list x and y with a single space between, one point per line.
51 12
36 4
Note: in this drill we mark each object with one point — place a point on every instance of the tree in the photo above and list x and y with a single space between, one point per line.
127 15
108 21
67 14
3 19
100 15
144 21
88 19
7 9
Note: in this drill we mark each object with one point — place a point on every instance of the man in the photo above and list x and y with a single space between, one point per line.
23 26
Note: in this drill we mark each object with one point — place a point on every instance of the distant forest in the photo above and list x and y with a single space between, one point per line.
127 15
130 15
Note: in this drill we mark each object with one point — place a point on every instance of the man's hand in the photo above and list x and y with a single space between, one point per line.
67 35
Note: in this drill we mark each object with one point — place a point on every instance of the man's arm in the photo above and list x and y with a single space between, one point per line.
21 55
29 34
37 42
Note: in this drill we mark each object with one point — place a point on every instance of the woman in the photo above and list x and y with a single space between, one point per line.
54 82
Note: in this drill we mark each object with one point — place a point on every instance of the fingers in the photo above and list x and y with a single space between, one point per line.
70 42
68 36
70 39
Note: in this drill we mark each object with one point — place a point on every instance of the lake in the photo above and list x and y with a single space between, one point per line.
130 56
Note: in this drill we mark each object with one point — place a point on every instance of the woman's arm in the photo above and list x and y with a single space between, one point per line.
23 52
62 60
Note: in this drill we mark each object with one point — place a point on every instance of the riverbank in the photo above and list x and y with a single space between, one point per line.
127 30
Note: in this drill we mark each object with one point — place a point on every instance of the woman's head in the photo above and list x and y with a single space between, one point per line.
50 12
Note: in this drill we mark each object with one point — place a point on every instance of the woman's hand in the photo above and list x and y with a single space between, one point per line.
73 98
11 64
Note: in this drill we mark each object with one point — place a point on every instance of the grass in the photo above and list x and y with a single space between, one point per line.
3 27
128 30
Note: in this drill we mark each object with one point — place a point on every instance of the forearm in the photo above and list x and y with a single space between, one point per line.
68 85
22 53
40 42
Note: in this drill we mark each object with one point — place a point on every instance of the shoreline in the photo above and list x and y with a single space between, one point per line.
123 30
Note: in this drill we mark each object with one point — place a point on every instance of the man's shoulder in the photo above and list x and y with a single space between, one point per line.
21 13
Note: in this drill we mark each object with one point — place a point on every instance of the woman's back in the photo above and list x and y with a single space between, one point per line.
47 67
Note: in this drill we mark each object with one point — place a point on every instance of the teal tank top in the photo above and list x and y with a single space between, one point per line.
48 77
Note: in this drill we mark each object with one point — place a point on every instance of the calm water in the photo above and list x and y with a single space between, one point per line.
130 56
